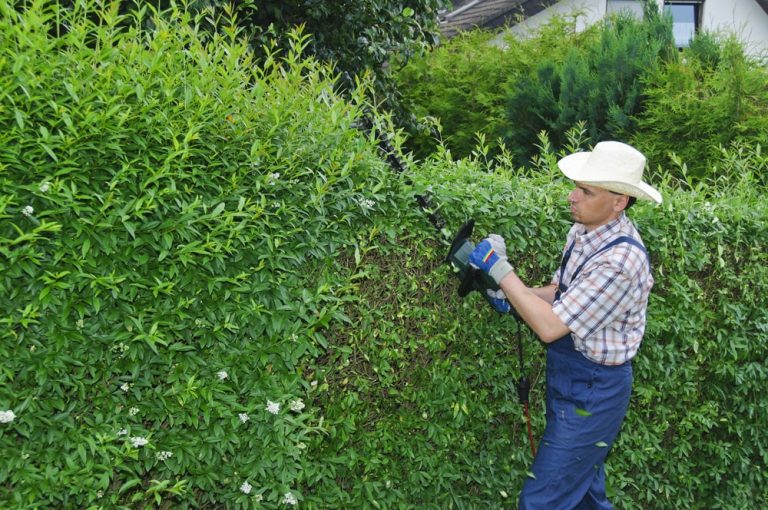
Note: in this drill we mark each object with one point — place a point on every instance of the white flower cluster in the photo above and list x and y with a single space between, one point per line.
163 456
7 416
133 411
125 386
44 187
290 499
138 442
296 405
272 407
243 417
366 203
28 210
222 374
246 488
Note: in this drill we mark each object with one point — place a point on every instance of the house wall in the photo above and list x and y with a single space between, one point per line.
589 12
745 18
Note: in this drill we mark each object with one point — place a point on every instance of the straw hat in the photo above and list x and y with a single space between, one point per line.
614 166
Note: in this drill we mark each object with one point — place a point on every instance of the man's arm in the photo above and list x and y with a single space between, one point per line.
546 293
535 307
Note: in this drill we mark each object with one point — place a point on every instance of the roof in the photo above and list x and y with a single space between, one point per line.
469 14
763 4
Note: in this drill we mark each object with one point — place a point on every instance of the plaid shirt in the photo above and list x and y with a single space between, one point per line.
604 306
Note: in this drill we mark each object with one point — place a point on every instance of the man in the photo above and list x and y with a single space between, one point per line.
592 318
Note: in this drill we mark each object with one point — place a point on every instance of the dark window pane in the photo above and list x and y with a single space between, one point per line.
684 22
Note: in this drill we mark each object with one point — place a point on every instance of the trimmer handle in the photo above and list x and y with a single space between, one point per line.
470 277
467 284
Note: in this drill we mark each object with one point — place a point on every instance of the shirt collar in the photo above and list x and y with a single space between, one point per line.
601 234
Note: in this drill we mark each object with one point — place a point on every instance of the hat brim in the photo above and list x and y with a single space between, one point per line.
573 166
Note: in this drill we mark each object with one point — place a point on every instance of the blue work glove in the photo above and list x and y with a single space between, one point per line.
490 256
498 300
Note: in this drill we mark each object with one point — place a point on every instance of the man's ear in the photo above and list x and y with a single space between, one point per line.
620 203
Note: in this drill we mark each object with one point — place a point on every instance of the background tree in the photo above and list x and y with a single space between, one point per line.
355 35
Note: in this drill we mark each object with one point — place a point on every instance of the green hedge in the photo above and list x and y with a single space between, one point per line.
204 253
170 215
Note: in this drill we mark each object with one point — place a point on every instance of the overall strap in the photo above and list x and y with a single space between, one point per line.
561 287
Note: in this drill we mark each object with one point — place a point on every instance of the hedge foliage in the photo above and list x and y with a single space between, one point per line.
170 217
216 294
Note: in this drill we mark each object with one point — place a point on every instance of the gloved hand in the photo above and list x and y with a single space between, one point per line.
490 256
498 301
499 245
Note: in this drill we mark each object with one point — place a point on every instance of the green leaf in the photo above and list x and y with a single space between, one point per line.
219 208
129 485
19 118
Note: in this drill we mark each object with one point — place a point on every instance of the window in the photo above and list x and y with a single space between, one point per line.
686 20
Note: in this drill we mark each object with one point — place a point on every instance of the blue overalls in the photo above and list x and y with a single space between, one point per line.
586 403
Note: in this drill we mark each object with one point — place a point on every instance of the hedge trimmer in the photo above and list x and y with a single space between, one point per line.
470 278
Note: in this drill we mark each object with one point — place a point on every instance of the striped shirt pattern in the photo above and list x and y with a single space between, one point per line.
605 305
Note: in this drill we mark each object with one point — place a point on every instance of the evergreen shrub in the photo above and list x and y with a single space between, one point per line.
214 294
598 83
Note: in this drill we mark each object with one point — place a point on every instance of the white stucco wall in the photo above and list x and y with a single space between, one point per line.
745 18
589 11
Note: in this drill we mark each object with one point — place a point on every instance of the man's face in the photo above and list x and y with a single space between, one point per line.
594 206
